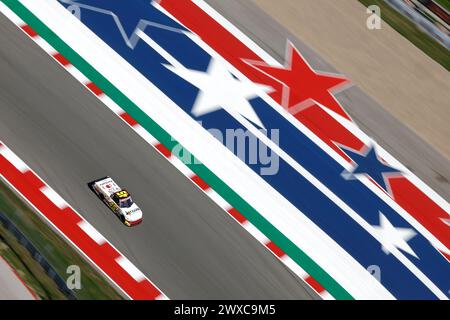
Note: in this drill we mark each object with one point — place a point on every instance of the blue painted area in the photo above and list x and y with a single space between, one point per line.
369 164
294 187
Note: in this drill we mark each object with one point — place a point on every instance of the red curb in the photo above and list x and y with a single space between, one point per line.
199 182
29 31
96 90
275 249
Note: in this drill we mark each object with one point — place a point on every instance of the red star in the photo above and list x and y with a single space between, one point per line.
300 85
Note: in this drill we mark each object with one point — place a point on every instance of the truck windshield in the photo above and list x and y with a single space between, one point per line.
125 203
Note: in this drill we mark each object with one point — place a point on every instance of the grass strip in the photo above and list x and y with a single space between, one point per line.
57 251
27 268
444 4
413 33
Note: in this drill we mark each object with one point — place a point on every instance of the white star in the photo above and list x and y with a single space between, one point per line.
219 89
394 238
446 221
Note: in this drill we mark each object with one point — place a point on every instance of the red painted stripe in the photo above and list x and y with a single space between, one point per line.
314 284
199 182
128 119
93 87
61 59
275 249
161 148
421 207
328 129
237 215
29 31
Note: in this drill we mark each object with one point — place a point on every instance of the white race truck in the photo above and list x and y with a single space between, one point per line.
118 200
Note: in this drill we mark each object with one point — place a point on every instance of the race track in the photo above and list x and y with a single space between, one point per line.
186 244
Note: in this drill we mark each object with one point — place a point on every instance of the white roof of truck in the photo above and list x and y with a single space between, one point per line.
108 185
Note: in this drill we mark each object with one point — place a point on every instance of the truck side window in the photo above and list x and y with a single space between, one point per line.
116 199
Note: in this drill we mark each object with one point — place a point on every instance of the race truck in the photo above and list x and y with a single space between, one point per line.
118 200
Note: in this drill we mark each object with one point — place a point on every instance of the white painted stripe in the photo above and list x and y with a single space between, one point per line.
326 296
134 272
92 232
258 235
10 15
111 104
44 45
446 221
76 74
302 274
172 61
162 297
13 159
181 166
267 201
221 202
54 197
151 140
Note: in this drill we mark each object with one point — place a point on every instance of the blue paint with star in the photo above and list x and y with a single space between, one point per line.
370 165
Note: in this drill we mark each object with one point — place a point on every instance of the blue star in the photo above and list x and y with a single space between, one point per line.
370 165
129 16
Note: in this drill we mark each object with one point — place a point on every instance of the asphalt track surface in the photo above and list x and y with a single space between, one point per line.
404 144
186 245
12 288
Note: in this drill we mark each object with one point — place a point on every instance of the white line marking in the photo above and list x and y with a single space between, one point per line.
162 297
144 134
177 163
44 45
326 296
130 268
291 264
218 199
10 15
111 104
92 232
54 197
13 159
255 232
159 49
76 74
